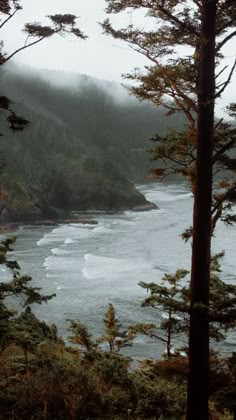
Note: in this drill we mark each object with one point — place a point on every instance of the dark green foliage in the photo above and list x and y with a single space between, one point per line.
81 336
42 377
225 394
172 296
114 335
16 290
158 398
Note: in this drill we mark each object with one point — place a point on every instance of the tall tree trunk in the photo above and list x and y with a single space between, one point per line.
197 401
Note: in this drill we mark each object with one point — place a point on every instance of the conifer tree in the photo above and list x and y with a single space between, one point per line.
17 288
191 82
115 336
172 296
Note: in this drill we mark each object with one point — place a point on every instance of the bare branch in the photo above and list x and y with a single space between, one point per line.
5 59
220 72
225 40
171 108
176 161
225 84
218 123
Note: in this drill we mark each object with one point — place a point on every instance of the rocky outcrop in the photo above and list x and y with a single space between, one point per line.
88 185
79 152
100 186
145 207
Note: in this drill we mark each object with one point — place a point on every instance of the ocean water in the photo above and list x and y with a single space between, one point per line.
90 266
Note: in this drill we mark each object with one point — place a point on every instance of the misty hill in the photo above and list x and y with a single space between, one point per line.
84 147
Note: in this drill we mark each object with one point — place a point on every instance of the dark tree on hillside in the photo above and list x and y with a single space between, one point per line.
34 33
189 82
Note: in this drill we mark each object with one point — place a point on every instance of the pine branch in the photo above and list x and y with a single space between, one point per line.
9 17
227 25
222 150
185 26
222 198
176 91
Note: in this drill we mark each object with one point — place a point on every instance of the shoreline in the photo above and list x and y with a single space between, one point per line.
11 226
8 227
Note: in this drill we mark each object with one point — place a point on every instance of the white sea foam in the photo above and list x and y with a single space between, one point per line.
59 251
49 275
69 241
103 267
64 233
124 222
60 230
101 229
47 239
157 196
58 234
184 196
231 339
61 287
165 315
78 233
61 264
142 215
69 234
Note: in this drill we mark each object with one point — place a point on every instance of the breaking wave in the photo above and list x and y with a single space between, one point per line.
97 266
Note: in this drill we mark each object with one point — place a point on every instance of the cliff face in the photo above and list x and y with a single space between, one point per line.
101 186
90 185
81 151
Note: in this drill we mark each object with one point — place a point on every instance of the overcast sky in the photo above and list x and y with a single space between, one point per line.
99 56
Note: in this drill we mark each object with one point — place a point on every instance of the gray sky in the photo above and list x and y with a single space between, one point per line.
99 56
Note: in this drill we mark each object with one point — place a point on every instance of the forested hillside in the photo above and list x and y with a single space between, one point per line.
83 148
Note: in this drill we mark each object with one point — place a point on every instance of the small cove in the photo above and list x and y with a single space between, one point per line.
90 266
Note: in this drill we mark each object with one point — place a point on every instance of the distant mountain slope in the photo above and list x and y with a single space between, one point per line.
83 147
